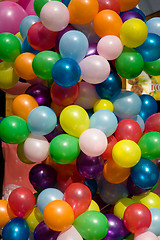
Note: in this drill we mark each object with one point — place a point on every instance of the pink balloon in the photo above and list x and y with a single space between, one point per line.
110 47
11 15
28 6
146 236
93 142
18 89
94 69
70 234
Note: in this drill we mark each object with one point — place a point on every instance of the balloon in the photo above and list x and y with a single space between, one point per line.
73 44
121 205
57 131
74 120
82 12
103 104
21 201
93 142
58 215
152 123
140 121
54 16
133 189
127 5
128 129
13 130
93 206
127 104
89 167
21 155
32 221
150 200
23 104
147 236
152 68
43 231
154 227
131 14
26 23
153 25
105 121
16 229
111 87
107 155
4 213
70 234
38 4
42 176
107 22
126 153
92 185
11 15
8 76
92 49
109 47
130 63
19 88
26 47
112 5
10 47
66 72
94 69
69 149
48 195
137 218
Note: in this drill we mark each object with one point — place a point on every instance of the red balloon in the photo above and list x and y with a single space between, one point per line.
21 201
107 155
64 96
79 198
109 4
137 218
40 38
153 123
128 129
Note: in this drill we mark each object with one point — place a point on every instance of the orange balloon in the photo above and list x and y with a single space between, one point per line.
57 109
58 215
115 174
107 22
4 215
23 66
23 105
127 4
82 11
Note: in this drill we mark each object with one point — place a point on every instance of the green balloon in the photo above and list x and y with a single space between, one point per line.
38 4
155 186
150 145
152 68
43 63
130 63
92 225
129 237
13 130
10 47
64 149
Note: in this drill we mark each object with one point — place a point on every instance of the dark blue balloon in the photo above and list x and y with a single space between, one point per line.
150 49
145 174
66 2
149 106
140 12
26 47
92 185
111 87
16 229
66 72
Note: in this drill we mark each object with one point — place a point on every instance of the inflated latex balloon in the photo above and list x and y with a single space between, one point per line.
153 123
140 121
133 189
111 4
70 234
103 104
92 49
154 227
5 215
43 231
153 25
121 205
150 200
94 69
26 23
26 47
127 4
38 4
8 76
131 14
32 221
93 206
57 131
152 68
107 155
92 185
147 236
21 155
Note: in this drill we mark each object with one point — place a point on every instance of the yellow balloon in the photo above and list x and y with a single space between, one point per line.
103 104
21 155
150 200
93 206
74 120
8 76
19 36
32 221
133 32
121 205
126 153
38 214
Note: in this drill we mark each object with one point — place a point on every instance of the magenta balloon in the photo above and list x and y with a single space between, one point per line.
11 15
28 6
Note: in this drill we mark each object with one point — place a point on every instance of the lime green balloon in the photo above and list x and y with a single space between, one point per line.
13 130
92 225
152 68
155 186
10 47
130 63
43 63
64 149
150 145
38 4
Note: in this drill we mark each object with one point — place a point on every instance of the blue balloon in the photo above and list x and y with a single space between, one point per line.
16 229
26 23
66 2
140 121
149 106
92 185
105 121
73 44
145 174
127 105
153 25
26 47
42 120
66 72
155 223
48 195
140 12
111 87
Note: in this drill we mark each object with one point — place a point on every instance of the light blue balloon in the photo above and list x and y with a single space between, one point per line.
48 195
42 120
153 25
155 223
73 44
140 121
105 121
26 23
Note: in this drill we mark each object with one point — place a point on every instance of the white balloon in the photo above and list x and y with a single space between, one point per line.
70 234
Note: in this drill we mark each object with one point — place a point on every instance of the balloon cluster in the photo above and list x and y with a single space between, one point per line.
93 146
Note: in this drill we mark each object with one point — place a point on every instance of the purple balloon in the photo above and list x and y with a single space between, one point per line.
42 231
41 93
42 176
117 229
57 131
131 14
133 189
92 50
89 167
